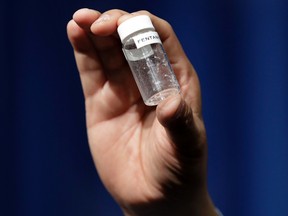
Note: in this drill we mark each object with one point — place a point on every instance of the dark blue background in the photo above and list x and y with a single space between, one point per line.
240 50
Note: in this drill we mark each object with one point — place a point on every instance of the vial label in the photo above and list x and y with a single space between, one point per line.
137 54
146 38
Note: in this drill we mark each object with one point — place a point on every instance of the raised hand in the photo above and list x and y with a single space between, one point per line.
151 159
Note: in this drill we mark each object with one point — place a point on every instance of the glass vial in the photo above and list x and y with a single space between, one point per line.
147 59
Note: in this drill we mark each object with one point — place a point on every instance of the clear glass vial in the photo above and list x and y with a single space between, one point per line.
147 59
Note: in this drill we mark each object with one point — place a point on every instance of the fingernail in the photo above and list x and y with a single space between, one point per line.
103 18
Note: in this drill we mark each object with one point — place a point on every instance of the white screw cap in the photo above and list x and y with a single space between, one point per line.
134 24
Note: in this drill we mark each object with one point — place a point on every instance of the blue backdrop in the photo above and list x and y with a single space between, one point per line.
240 50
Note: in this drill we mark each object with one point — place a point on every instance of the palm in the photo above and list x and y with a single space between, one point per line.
124 139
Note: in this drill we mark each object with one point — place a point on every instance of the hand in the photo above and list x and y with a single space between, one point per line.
151 160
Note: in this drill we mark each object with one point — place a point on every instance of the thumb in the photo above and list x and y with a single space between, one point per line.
185 130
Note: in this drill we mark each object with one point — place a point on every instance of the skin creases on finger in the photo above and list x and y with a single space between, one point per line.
109 50
85 17
103 43
106 40
112 58
106 24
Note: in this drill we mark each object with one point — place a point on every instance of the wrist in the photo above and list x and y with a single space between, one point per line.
200 207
